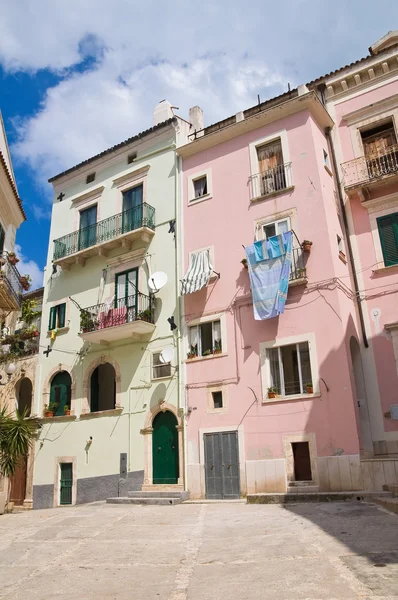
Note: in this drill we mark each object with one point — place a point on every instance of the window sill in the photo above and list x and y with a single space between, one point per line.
289 398
200 199
60 331
200 358
56 419
102 413
216 411
272 194
161 378
328 170
386 270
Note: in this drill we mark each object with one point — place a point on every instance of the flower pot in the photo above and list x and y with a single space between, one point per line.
309 389
49 413
66 413
307 246
13 260
271 395
217 351
192 356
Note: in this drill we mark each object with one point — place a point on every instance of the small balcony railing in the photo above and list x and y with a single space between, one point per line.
298 270
271 181
10 284
366 169
105 231
100 317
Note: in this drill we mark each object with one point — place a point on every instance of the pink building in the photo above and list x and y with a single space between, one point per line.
303 400
362 99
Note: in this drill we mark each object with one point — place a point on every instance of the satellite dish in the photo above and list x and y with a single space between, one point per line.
157 281
167 355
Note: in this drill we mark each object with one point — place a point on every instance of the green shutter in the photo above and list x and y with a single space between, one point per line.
53 317
66 483
388 231
61 314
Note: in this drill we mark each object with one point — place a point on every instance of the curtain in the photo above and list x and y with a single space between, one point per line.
269 156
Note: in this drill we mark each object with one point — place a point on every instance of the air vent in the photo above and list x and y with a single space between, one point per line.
90 178
131 157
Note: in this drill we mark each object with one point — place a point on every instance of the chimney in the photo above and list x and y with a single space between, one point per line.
162 112
302 89
196 119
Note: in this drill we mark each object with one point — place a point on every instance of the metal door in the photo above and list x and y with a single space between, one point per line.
222 465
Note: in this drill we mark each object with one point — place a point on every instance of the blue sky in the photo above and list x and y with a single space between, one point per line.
77 77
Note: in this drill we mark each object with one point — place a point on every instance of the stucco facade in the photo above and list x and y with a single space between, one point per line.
109 446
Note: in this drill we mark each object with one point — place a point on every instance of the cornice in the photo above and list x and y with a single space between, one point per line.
131 176
371 110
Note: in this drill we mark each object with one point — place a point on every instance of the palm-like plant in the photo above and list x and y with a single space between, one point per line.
16 435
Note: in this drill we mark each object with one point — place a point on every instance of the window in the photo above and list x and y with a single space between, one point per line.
160 369
205 339
271 168
57 316
200 187
90 178
388 232
290 369
377 140
131 157
326 160
276 228
341 246
217 399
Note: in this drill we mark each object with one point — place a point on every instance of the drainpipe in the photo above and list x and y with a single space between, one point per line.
347 235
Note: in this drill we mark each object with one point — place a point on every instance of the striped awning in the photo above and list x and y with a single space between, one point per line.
198 274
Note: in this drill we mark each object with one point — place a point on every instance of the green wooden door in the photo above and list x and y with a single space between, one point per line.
126 293
66 483
88 227
132 209
60 393
165 448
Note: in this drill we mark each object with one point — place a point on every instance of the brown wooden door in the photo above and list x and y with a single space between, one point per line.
18 483
302 462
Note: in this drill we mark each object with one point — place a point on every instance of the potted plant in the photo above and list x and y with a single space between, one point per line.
66 410
207 353
272 392
12 258
26 282
301 273
145 315
49 409
86 321
307 246
309 387
193 353
217 347
244 263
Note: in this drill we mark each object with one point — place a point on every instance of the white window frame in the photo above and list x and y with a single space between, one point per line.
380 207
160 364
266 371
253 146
198 337
290 215
191 188
210 403
206 319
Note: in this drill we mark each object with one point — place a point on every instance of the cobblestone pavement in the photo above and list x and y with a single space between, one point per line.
341 551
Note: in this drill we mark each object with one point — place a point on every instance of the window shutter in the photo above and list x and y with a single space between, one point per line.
53 315
388 231
2 238
61 314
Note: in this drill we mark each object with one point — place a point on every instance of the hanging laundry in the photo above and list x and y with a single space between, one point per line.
269 276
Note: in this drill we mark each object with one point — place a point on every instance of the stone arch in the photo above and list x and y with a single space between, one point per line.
24 395
47 386
100 360
147 433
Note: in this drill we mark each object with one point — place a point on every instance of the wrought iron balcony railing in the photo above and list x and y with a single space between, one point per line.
106 230
298 270
10 280
273 180
366 169
137 307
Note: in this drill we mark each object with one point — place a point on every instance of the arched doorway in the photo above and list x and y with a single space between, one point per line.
60 392
165 448
366 444
24 396
103 388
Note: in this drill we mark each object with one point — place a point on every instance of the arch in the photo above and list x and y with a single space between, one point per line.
47 385
60 392
87 381
23 393
365 436
103 388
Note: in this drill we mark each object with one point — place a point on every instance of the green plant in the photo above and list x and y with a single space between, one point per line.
29 311
86 320
193 352
217 347
66 408
207 353
145 315
52 407
308 383
272 390
16 435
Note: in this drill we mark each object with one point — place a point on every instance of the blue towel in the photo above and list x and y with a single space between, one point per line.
269 278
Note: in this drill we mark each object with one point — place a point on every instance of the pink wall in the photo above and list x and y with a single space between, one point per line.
226 221
379 289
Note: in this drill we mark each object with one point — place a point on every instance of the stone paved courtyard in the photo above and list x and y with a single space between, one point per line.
200 552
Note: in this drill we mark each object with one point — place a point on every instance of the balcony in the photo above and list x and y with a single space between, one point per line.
298 271
10 285
120 230
370 171
130 317
271 182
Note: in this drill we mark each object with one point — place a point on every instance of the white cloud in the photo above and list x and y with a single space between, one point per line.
29 267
